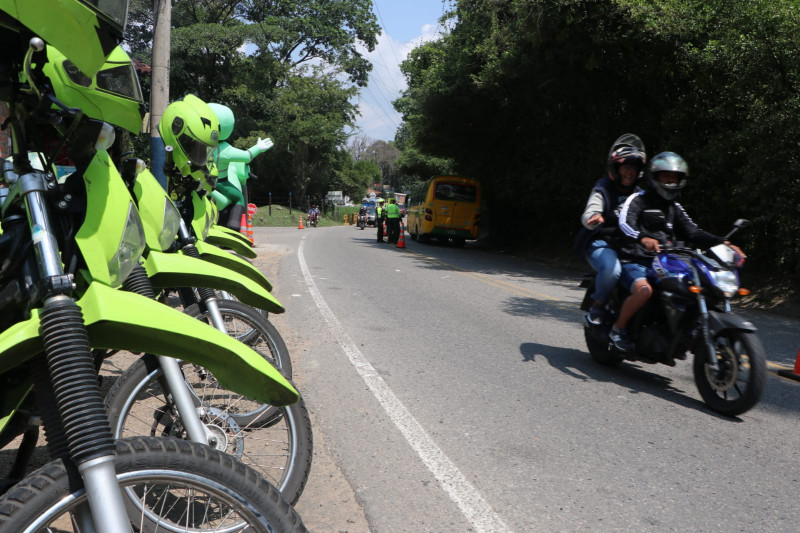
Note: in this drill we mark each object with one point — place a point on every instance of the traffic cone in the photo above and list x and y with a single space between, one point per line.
383 223
401 242
250 230
243 225
301 224
792 374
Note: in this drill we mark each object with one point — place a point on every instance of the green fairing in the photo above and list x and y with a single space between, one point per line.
218 256
201 218
150 198
119 320
99 236
82 35
178 270
223 240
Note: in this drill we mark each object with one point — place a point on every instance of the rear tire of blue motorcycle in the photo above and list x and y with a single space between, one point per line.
599 346
728 395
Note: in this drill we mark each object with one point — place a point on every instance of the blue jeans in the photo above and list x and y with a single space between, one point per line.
631 273
604 260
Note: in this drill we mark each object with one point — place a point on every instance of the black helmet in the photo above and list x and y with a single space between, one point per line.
667 162
628 149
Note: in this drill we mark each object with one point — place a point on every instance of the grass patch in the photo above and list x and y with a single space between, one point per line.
281 217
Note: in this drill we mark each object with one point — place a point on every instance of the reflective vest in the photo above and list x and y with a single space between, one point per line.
393 211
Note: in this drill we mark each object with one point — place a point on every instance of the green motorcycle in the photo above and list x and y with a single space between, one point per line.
150 397
53 248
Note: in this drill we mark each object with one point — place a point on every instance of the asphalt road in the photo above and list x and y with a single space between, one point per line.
453 391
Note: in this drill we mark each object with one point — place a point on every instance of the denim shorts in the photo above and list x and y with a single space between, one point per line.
631 272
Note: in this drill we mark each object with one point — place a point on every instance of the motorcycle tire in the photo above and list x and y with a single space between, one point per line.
274 441
739 383
168 485
599 346
251 327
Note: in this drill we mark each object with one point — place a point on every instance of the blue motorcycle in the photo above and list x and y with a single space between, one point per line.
690 312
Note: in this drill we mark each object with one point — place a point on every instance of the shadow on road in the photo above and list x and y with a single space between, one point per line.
627 375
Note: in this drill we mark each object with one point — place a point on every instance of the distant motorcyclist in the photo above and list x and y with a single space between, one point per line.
598 238
644 234
313 214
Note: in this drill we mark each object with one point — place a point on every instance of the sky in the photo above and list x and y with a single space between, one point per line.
405 24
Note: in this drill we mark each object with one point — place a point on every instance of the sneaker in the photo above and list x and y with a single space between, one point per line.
595 316
619 338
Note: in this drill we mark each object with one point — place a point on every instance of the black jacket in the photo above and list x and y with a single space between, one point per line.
635 225
608 230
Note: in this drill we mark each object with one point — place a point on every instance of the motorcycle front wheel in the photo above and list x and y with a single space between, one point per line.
276 442
739 383
168 485
246 324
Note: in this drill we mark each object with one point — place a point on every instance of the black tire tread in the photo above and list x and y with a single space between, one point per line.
53 481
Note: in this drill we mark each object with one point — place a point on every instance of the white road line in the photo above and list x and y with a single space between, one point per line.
468 499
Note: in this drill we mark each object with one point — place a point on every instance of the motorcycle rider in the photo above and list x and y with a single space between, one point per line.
598 239
645 233
362 215
313 214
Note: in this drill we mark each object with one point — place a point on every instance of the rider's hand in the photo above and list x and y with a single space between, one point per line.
742 256
264 144
651 244
595 219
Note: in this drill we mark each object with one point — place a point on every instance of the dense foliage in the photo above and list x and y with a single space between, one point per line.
289 69
527 95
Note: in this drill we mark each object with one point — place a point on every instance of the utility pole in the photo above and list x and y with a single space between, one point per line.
159 90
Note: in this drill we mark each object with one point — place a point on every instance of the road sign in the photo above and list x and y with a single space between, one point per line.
251 209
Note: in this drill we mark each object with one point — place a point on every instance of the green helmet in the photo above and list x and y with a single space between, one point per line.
226 120
192 129
112 95
85 31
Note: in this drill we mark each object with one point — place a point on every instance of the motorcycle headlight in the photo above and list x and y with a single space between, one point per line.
726 282
129 250
172 222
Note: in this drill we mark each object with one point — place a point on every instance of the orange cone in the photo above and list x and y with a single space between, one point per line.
401 242
250 229
792 374
243 225
301 224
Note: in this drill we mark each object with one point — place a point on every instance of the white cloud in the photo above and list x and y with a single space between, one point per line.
378 118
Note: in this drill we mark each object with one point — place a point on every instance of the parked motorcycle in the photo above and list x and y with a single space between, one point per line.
62 263
690 311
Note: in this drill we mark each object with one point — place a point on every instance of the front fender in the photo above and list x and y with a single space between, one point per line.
232 233
178 270
721 321
120 320
222 240
223 258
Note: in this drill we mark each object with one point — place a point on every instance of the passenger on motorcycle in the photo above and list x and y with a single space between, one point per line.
644 235
598 239
313 214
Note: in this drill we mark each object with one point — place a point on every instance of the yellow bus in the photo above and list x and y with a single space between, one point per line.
445 207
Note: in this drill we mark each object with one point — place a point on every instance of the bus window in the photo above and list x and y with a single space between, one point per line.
455 192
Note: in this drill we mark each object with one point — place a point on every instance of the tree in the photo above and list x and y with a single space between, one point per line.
287 68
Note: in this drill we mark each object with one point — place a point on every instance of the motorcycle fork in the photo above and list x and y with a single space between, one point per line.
711 351
78 427
178 389
207 296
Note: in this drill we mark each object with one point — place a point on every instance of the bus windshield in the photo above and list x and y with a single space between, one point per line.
455 192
